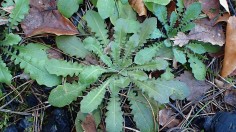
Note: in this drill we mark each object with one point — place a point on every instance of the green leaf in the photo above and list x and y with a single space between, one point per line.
179 55
5 74
93 45
173 19
187 27
68 7
198 67
94 98
96 23
122 11
196 48
156 34
124 1
127 25
160 94
167 75
145 55
105 8
159 64
19 11
192 12
161 12
177 89
115 52
147 28
90 74
160 2
11 39
107 60
63 95
33 62
211 48
63 68
71 45
142 112
114 119
7 3
180 6
138 75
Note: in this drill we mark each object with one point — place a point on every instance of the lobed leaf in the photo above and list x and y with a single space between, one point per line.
18 13
5 74
64 94
147 28
160 94
63 68
32 58
114 119
94 98
11 39
198 67
179 55
142 112
196 48
71 45
90 74
159 64
96 23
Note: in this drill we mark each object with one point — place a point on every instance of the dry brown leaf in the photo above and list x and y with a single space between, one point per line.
139 7
225 5
43 18
89 124
229 63
230 97
210 7
206 31
181 39
197 88
223 18
54 54
167 118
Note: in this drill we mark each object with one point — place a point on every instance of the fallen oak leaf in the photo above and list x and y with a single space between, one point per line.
229 63
206 31
197 88
167 118
139 7
225 5
42 20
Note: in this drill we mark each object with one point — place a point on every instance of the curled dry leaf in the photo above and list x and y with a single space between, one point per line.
181 39
89 124
139 7
229 63
44 18
225 5
167 118
197 88
206 31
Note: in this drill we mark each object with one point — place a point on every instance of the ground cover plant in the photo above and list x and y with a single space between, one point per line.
110 64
